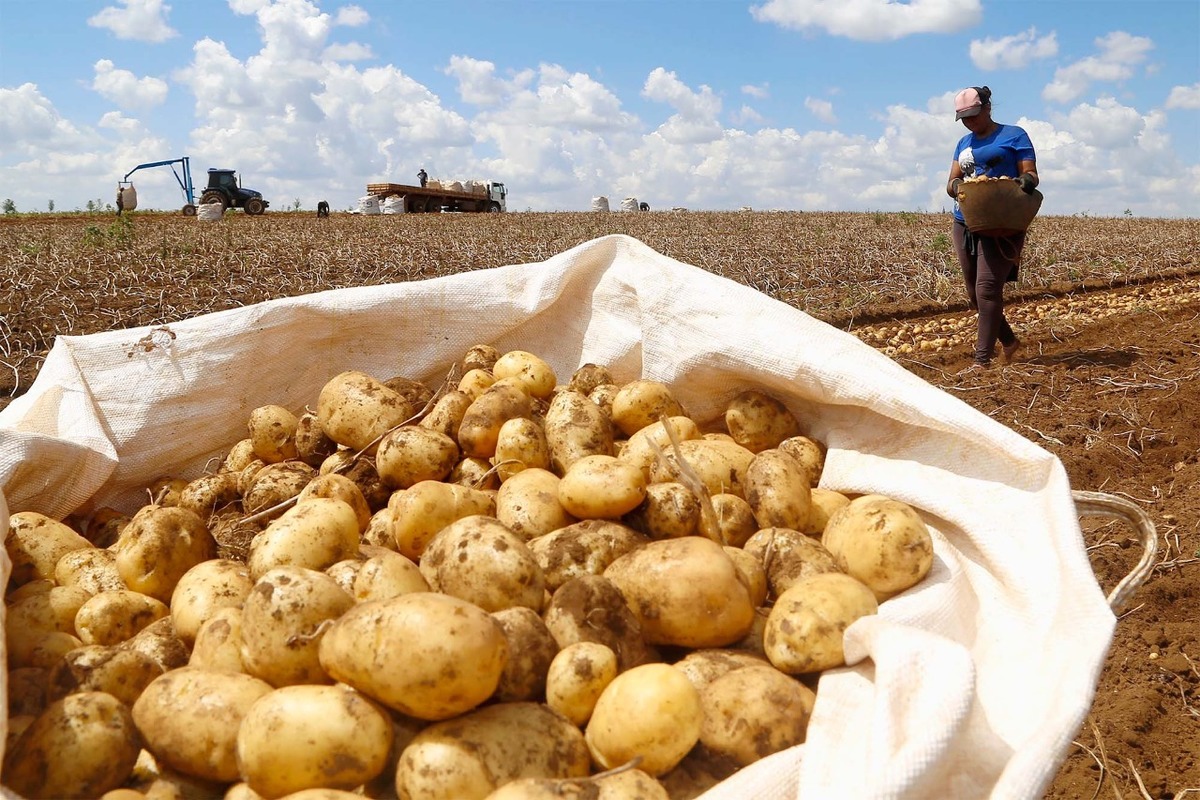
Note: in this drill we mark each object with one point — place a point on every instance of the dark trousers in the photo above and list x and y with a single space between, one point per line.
988 262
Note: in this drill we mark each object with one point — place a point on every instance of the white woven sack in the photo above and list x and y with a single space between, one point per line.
434 183
392 204
128 198
453 186
600 203
210 212
368 205
970 685
630 204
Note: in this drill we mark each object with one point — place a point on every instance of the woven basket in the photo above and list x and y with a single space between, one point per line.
997 206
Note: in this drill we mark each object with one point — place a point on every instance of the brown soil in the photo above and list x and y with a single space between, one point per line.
1113 398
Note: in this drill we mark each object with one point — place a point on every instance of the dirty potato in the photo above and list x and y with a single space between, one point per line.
759 422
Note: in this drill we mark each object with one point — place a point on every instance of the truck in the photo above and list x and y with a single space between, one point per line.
487 196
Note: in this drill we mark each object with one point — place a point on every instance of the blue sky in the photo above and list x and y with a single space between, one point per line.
705 104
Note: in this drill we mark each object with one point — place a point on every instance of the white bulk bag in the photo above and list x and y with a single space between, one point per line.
368 205
600 203
970 685
210 212
128 197
453 186
392 204
630 204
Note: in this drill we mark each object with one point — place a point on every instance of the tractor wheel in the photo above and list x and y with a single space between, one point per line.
254 207
210 197
189 210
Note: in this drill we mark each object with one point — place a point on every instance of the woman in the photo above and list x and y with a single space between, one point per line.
987 262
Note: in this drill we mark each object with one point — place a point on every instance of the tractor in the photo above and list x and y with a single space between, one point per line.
223 188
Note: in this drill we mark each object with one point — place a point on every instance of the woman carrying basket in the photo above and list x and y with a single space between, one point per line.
993 150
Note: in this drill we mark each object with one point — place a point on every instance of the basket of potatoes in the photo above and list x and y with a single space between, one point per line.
633 531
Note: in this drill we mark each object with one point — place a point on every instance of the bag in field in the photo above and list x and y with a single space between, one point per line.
970 685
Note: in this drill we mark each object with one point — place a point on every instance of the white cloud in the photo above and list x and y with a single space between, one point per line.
126 89
821 109
350 51
759 92
1119 53
477 81
139 20
695 120
1184 96
1013 52
1106 124
871 20
352 16
748 116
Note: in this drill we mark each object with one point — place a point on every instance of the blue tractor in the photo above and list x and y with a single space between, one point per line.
222 188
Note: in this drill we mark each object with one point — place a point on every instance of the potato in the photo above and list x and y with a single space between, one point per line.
158 545
577 676
576 427
588 377
218 644
275 484
684 592
805 626
309 737
478 559
652 711
245 478
92 569
164 491
644 446
416 393
788 556
42 612
35 543
882 542
478 473
79 747
206 587
339 487
475 382
534 375
315 534
591 609
759 422
379 530
272 432
625 784
355 409
603 396
809 453
469 757
312 445
777 490
411 454
361 470
209 493
345 572
427 655
447 413
282 624
582 548
704 666
643 402
384 576
27 691
529 505
481 422
734 518
189 719
531 648
480 356
112 617
159 641
521 444
47 648
601 487
669 511
752 712
719 465
751 573
423 509
239 456
106 525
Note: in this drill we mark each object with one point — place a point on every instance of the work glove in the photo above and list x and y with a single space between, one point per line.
966 162
1027 182
954 187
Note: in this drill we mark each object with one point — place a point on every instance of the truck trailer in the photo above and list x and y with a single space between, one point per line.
487 196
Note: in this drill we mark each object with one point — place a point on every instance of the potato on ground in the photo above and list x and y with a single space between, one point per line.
80 747
882 542
586 547
480 560
825 502
480 427
263 490
158 546
704 666
684 592
189 719
312 445
283 620
521 444
652 711
806 625
32 615
385 575
809 453
669 511
531 648
447 413
310 737
337 486
427 655
470 757
160 641
577 676
535 376
218 644
752 712
643 448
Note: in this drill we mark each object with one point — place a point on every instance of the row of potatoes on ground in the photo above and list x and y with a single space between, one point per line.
502 588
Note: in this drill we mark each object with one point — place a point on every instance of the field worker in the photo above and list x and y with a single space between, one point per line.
987 262
422 176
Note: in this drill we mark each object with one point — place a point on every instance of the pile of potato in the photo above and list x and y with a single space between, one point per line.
502 588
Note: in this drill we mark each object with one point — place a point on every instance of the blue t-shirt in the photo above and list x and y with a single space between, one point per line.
996 155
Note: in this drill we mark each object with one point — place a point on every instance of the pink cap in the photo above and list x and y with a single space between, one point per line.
967 103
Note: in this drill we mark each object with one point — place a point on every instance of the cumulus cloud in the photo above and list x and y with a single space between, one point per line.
1013 52
138 20
1106 124
352 16
747 116
1184 96
821 109
871 20
1119 53
759 92
349 51
696 111
127 90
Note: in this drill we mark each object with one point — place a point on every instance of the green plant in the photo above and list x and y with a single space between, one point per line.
940 243
50 206
9 206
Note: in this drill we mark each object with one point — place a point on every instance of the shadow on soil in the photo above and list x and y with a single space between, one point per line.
1104 357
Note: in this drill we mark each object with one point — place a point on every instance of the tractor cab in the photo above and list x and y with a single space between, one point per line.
223 188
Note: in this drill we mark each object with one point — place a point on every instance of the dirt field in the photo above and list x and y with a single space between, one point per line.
1107 381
